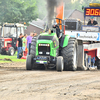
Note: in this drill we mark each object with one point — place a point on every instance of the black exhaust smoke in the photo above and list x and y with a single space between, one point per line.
51 5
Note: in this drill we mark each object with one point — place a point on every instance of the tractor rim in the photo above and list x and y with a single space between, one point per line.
12 52
75 57
62 65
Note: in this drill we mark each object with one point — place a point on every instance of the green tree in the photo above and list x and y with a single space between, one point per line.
17 10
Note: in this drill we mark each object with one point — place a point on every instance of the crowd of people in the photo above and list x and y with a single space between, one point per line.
24 43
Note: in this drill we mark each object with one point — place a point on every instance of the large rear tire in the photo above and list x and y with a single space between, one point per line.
33 46
29 62
97 63
69 54
60 64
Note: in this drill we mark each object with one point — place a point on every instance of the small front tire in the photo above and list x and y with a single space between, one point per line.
60 64
29 62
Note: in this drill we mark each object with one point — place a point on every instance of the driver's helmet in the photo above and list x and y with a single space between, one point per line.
54 25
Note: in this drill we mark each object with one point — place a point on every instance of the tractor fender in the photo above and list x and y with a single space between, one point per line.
64 41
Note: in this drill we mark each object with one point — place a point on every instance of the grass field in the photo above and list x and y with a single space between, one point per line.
13 58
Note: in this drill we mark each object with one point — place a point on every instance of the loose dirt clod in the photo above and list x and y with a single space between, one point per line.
6 59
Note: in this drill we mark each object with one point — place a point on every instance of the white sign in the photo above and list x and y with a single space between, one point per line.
87 36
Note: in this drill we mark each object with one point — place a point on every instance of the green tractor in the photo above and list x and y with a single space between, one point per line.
48 51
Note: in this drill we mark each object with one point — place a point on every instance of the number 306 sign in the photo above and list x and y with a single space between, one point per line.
92 12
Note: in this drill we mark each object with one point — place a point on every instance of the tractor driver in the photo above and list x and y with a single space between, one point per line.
57 29
92 22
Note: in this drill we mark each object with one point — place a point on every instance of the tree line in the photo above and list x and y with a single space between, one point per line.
18 10
14 11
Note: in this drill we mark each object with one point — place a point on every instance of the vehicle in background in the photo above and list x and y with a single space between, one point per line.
8 38
88 38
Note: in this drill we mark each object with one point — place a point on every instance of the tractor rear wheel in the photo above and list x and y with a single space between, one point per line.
11 51
33 46
60 64
98 63
69 54
32 55
29 62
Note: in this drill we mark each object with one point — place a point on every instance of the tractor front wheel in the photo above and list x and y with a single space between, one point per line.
60 64
29 62
97 63
11 51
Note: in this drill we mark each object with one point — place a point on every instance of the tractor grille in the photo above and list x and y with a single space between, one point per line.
44 49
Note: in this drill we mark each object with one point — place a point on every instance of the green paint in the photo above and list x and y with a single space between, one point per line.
66 39
50 42
47 34
40 61
52 49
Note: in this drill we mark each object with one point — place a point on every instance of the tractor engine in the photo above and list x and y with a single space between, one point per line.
46 45
5 44
44 49
47 48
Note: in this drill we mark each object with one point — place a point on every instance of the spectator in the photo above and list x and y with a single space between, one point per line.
92 22
28 41
19 44
35 34
24 42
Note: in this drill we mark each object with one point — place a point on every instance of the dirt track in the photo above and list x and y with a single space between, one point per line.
18 84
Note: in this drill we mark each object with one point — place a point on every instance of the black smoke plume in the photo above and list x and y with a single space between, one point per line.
51 5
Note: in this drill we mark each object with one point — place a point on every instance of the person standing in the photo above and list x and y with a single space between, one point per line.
24 43
19 44
28 41
35 34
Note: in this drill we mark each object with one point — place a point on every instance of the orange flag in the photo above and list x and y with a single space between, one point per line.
60 13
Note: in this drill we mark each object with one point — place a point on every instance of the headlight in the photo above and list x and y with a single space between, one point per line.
39 44
40 53
48 45
47 53
44 45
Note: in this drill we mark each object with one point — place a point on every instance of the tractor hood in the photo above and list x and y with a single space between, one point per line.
48 37
47 43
